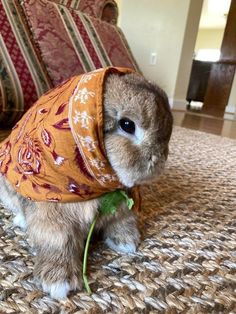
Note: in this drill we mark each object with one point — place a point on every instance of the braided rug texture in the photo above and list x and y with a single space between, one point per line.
186 262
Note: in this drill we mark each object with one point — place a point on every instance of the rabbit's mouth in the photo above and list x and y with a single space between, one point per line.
154 176
133 177
129 179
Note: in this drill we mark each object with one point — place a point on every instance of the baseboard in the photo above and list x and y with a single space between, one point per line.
230 109
181 104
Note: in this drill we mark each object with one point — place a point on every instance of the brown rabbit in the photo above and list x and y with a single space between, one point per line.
137 129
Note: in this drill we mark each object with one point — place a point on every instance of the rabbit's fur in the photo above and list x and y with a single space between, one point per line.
58 230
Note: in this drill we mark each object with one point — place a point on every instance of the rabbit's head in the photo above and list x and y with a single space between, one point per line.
137 128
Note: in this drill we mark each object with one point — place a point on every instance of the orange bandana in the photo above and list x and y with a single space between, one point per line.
56 151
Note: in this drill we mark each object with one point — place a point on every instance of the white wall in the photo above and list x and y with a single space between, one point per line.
159 26
155 26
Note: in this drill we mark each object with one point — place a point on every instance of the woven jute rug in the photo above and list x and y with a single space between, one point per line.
186 262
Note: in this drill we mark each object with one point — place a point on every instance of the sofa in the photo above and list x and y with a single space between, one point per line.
44 42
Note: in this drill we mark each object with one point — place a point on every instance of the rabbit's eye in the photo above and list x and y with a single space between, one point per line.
127 125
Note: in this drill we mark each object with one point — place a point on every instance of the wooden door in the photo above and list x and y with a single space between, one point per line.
222 72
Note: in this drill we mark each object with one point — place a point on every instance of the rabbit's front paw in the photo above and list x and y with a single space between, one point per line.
122 235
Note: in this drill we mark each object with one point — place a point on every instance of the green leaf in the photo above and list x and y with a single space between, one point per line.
130 203
111 201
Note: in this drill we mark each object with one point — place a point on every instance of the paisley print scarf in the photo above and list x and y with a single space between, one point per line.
56 151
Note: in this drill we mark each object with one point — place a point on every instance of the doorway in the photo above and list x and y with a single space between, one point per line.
214 63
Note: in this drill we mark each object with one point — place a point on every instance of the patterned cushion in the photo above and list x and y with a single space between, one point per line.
22 78
72 43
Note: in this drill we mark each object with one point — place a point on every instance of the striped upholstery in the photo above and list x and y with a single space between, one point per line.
72 43
22 78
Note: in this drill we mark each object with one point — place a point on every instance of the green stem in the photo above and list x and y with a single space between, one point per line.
86 284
